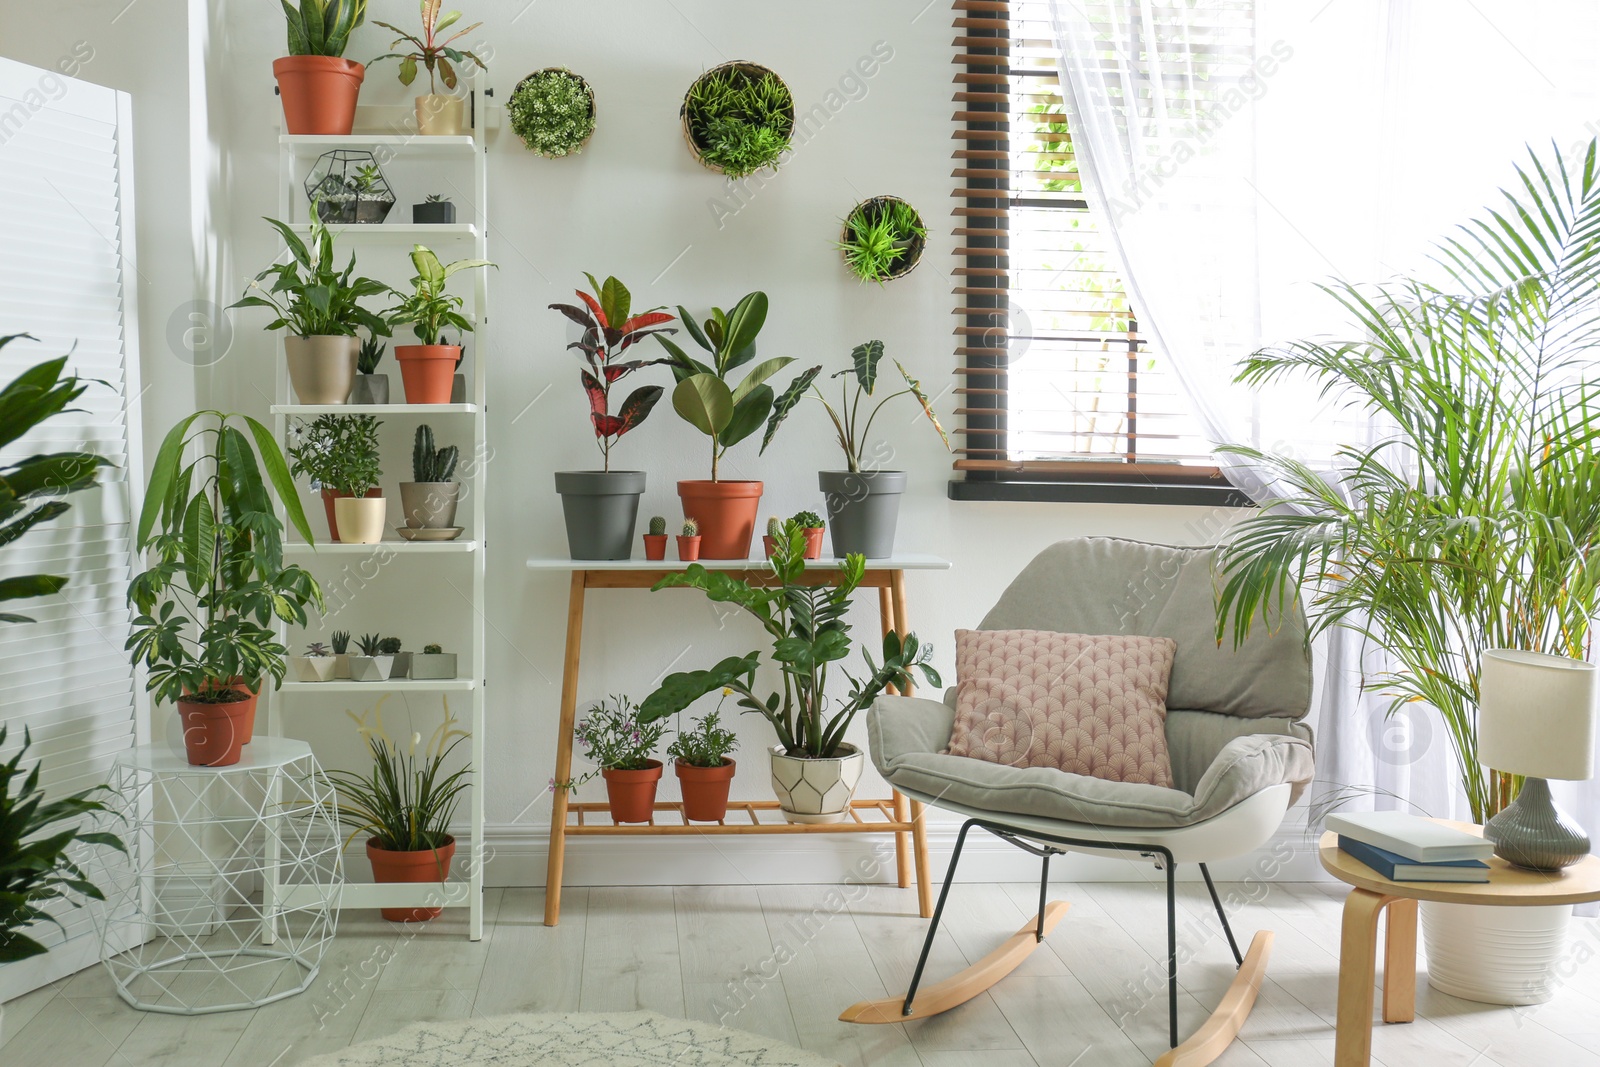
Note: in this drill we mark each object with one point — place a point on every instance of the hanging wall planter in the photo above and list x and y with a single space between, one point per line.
553 111
348 186
738 118
883 239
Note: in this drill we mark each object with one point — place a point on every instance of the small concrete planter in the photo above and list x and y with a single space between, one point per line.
341 665
433 665
601 509
370 389
429 505
371 668
863 509
816 790
313 668
401 667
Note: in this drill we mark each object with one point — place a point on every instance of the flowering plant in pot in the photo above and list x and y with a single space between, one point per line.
808 630
321 308
403 805
601 507
317 85
333 451
614 738
429 500
863 503
727 414
358 512
218 582
705 773
437 115
428 369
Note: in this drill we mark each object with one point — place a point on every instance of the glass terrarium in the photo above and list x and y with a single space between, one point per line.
347 185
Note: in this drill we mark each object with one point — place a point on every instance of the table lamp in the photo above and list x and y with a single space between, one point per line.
1536 718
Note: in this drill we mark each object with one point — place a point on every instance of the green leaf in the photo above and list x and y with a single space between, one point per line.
679 690
786 402
704 402
760 373
617 302
408 70
744 323
30 585
162 476
864 358
748 415
282 482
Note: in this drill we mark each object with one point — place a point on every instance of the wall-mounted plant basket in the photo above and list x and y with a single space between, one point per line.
737 118
883 239
553 111
347 185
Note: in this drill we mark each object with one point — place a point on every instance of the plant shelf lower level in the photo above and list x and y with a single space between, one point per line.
743 818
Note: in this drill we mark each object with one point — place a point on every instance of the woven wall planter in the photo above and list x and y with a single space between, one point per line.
914 245
751 72
535 134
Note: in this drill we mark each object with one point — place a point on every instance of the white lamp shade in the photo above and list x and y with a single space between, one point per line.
1536 714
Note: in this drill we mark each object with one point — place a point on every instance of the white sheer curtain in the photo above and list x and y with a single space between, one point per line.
1242 151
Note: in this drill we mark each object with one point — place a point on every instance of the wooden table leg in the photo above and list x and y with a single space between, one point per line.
902 841
569 711
1358 959
1400 961
919 836
897 590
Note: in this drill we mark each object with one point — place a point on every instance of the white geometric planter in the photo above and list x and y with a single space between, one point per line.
1494 955
312 668
371 668
816 790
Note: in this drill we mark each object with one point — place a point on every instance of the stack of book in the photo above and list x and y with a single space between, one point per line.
1407 848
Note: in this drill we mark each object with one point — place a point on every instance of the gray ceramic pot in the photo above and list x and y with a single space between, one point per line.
863 507
433 665
370 389
601 509
429 505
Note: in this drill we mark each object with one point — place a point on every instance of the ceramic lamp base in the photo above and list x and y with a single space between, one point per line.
1533 833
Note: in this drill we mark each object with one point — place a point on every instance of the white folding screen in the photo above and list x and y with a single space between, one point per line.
67 277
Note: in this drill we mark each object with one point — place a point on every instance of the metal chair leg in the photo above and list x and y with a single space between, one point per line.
1044 887
1238 957
1172 950
938 911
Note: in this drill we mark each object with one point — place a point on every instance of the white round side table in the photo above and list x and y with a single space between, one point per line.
231 892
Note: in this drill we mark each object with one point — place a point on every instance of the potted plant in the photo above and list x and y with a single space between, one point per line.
428 369
403 806
655 542
436 210
317 85
553 111
394 649
347 186
738 118
321 307
616 740
315 666
370 387
340 640
705 773
332 451
689 540
437 115
433 662
358 512
727 414
769 541
812 526
883 239
371 665
602 506
863 504
429 500
206 606
808 630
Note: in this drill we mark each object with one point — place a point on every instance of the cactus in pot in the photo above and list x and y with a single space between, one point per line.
433 662
689 540
655 542
774 534
429 500
390 646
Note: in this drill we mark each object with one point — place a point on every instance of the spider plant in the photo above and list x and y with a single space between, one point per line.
880 237
404 802
1473 524
740 118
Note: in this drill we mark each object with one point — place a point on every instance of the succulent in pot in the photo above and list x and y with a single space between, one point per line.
370 387
727 414
437 114
428 369
400 667
769 541
620 743
334 451
655 542
340 640
429 500
435 210
601 507
883 239
321 308
317 85
370 664
316 665
433 662
705 772
813 526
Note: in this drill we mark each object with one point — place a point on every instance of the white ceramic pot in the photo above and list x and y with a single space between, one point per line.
341 665
816 790
360 519
322 368
371 668
1494 955
441 116
312 668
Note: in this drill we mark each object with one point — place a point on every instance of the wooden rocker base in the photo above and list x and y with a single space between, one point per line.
1218 1031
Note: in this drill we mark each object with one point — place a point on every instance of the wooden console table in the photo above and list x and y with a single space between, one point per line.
896 815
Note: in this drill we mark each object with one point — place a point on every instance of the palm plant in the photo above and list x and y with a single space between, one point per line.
1473 524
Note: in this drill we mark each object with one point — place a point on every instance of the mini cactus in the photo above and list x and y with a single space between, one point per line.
317 649
389 646
433 650
774 527
658 526
429 464
807 520
691 528
368 644
340 641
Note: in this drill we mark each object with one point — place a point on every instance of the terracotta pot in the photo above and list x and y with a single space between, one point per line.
705 790
318 93
769 544
726 512
688 548
430 865
441 116
427 371
360 520
655 546
814 542
213 734
632 794
322 368
328 497
238 685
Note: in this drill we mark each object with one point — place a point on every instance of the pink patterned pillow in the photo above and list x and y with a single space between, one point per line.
1093 705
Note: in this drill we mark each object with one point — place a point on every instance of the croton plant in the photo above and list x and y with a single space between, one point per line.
609 330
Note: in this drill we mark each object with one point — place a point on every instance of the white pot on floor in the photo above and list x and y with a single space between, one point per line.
1494 955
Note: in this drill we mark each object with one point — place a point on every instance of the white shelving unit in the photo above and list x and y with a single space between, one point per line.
459 240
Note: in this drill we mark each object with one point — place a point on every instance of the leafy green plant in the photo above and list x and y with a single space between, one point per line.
340 640
369 355
430 50
807 520
706 745
881 238
740 120
690 528
1474 523
405 802
369 645
658 526
429 464
322 27
704 399
435 198
36 836
310 297
552 111
428 309
615 737
337 452
205 607
808 630
29 487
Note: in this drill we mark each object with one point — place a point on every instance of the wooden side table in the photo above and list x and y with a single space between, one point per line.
897 815
1373 894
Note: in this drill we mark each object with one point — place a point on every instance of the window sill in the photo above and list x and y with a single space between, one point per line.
1102 492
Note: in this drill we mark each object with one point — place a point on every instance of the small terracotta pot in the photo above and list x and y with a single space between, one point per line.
688 548
726 512
655 546
213 734
318 93
439 115
430 865
814 542
705 790
238 685
322 368
360 520
328 497
427 371
632 794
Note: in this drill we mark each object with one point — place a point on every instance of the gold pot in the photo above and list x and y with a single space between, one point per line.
441 116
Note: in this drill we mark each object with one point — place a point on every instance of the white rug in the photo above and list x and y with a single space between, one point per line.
620 1039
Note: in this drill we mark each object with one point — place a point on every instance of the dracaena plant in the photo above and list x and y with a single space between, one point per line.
428 309
434 51
807 626
308 294
322 27
610 329
704 397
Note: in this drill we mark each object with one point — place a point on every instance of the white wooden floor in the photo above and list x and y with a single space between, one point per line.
784 960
